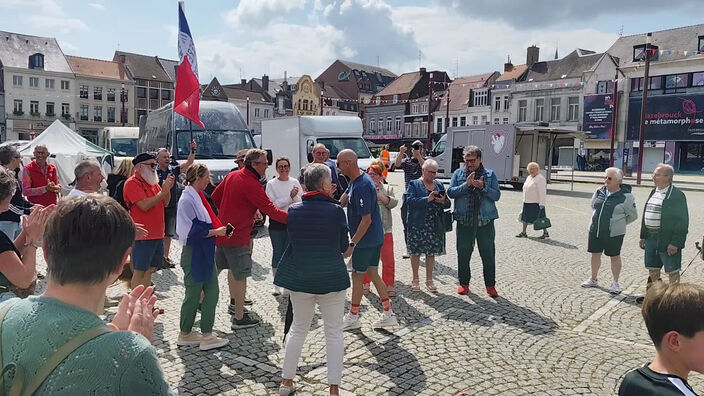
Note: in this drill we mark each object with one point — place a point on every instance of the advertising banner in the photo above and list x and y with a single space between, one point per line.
598 114
668 117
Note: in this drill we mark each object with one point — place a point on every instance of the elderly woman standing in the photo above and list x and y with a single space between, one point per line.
283 191
387 201
613 208
535 189
313 270
426 200
197 226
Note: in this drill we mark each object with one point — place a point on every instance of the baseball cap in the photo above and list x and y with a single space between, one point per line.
141 157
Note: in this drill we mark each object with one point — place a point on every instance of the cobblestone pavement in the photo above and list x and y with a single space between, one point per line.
544 335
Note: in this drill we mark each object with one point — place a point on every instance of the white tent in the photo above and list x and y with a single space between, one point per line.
67 149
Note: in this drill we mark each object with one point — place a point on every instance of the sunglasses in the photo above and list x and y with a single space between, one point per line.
151 165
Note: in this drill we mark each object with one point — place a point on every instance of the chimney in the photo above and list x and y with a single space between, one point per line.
508 66
122 59
422 70
265 83
532 55
243 82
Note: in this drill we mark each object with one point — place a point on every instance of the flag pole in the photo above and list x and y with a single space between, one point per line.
190 129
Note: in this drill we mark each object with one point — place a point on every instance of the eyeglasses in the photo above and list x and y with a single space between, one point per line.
151 164
608 178
284 167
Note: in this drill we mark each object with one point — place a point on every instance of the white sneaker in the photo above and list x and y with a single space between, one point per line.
386 322
212 342
614 288
276 291
350 322
192 338
590 283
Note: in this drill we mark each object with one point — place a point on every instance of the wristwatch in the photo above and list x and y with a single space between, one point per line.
352 244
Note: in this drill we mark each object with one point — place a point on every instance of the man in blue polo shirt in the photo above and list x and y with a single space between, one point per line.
367 234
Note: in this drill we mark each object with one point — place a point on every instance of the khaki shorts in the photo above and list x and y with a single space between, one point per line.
238 259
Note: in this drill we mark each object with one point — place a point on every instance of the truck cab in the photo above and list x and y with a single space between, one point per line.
121 141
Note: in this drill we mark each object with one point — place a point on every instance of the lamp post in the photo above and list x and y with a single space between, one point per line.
646 84
123 98
430 98
321 102
247 112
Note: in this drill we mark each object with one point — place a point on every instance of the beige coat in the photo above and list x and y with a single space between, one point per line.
385 210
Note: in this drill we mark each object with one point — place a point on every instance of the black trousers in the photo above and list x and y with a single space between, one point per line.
484 236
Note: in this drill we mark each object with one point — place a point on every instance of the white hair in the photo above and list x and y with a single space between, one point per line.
616 171
430 163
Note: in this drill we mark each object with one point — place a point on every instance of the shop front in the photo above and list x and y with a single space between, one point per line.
674 131
597 123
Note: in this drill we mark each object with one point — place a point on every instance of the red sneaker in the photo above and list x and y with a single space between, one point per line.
463 290
491 291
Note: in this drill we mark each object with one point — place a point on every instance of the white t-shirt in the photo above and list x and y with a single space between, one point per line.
76 193
279 192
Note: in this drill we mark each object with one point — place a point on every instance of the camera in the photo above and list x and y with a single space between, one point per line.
417 147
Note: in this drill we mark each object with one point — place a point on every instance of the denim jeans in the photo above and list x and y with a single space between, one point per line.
484 236
279 241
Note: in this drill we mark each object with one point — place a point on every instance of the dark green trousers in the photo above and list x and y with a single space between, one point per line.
191 300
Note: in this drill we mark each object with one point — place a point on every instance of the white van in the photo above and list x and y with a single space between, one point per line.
295 137
121 141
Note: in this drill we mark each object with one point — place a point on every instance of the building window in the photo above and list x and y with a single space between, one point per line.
639 53
395 99
389 123
17 110
497 103
34 108
438 125
555 109
539 109
65 109
507 101
165 94
153 93
141 93
700 47
34 82
484 120
50 109
36 61
522 110
16 81
416 130
49 83
496 121
698 79
463 121
111 114
424 129
480 98
111 95
266 111
424 108
380 125
398 124
655 82
408 130
505 120
676 81
573 108
256 112
98 93
126 96
371 125
65 85
98 113
83 92
475 120
414 109
454 121
84 112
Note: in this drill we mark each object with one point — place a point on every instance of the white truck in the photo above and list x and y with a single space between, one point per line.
121 141
294 137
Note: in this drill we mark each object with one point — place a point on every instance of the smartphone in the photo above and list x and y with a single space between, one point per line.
440 194
230 229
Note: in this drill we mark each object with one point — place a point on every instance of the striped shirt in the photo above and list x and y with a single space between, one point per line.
412 170
653 208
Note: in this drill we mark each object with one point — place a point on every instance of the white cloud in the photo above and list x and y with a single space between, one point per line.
48 16
68 47
262 12
97 6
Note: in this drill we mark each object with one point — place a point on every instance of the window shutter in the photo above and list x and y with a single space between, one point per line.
471 98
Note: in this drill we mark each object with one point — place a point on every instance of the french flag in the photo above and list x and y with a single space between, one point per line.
187 96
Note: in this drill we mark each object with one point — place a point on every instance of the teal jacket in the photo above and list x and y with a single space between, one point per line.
674 219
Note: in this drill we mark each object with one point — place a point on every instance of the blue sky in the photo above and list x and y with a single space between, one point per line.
248 38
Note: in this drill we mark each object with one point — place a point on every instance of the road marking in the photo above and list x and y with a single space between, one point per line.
604 309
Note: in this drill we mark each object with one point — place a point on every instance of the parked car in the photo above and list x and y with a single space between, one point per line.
392 160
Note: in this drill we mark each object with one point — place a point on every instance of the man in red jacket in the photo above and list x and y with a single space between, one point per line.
40 182
237 198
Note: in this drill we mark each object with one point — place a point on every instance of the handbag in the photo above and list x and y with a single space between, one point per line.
447 220
542 222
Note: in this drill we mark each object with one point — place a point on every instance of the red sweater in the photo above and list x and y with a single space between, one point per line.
237 198
34 179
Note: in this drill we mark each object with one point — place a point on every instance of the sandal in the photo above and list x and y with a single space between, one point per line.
545 235
431 286
522 235
415 285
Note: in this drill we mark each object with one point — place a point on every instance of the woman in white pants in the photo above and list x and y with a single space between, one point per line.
313 270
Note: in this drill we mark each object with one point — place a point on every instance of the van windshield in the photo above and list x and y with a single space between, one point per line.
124 147
335 145
212 144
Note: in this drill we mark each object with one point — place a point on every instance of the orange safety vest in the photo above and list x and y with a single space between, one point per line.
385 158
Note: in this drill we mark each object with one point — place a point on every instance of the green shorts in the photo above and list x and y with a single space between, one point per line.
364 258
238 259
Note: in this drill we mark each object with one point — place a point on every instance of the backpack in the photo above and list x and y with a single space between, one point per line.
16 387
117 194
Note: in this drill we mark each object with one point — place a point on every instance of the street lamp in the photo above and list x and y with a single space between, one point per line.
247 112
321 102
123 98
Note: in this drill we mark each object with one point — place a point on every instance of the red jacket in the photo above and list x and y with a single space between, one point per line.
237 198
34 178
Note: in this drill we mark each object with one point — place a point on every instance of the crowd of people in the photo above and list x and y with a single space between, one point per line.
336 212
